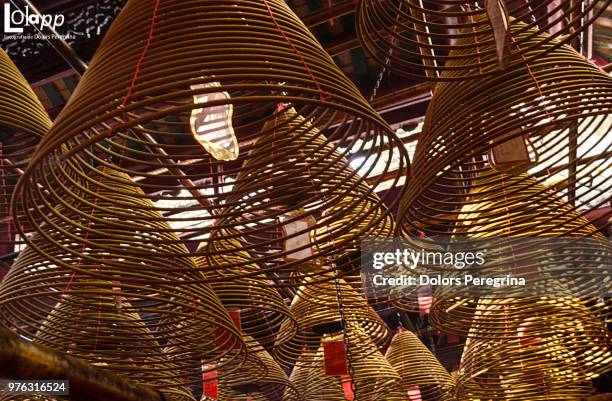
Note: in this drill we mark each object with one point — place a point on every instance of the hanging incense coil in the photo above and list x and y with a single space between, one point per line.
242 289
550 115
456 40
572 270
259 378
86 297
300 378
418 368
375 379
23 121
243 376
526 367
317 312
179 108
573 341
565 257
558 308
295 173
321 387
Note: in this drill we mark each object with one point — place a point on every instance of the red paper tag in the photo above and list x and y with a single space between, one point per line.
414 393
334 356
452 339
425 299
223 338
296 241
211 383
347 388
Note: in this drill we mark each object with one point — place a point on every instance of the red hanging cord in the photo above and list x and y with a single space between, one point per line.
142 55
323 95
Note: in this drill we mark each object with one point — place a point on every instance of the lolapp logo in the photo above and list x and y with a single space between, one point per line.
16 20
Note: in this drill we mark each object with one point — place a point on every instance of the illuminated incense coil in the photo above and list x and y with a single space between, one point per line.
375 379
245 376
300 378
260 378
296 172
316 310
552 114
141 109
454 40
566 274
261 307
577 339
23 121
533 365
418 367
99 285
564 324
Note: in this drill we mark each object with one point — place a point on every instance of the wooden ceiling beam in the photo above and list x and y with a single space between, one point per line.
324 15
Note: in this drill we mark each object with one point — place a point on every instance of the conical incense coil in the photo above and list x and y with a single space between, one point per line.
418 367
524 201
260 378
548 118
374 378
295 173
241 376
318 386
96 278
300 378
23 121
444 40
317 311
571 340
261 307
522 368
368 219
566 268
179 107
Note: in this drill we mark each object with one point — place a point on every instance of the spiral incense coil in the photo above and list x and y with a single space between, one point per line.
523 194
259 378
568 335
555 110
321 387
242 376
261 308
316 310
457 40
300 378
23 121
526 367
88 298
375 379
296 172
549 260
418 367
576 270
180 107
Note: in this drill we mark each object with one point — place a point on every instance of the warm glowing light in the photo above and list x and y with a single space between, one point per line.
212 126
